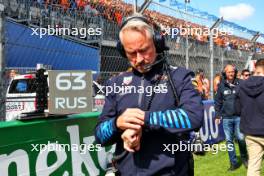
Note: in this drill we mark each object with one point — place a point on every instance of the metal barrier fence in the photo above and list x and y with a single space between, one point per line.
42 15
199 55
54 15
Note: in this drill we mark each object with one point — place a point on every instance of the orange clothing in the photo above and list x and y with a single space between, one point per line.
217 80
81 3
203 86
65 3
118 17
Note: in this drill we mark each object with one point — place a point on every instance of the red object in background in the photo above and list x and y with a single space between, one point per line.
65 3
29 76
118 17
81 3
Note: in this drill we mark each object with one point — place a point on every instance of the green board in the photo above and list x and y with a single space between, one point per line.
62 146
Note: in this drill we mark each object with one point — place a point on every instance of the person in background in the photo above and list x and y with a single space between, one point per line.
250 105
203 84
245 74
225 110
238 75
65 4
12 74
217 80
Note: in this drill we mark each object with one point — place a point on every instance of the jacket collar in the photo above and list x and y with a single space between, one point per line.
233 84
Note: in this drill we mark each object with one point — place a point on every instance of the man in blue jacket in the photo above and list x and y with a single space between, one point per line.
225 109
250 104
153 112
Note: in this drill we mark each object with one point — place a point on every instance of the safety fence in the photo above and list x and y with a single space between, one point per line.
107 18
44 15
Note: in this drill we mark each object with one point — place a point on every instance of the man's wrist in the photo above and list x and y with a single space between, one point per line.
116 126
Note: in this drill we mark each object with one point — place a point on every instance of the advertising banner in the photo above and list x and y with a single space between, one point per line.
210 132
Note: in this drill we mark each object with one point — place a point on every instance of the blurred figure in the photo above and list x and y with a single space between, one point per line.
65 4
245 74
217 80
203 84
238 75
225 109
12 74
250 105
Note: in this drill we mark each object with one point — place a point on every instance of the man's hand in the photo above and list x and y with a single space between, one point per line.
132 118
217 121
131 139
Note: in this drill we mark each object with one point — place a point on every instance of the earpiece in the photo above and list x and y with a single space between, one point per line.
158 38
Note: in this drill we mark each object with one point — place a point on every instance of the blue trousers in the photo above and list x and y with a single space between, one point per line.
231 130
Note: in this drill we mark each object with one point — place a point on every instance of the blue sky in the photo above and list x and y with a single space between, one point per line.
254 21
246 13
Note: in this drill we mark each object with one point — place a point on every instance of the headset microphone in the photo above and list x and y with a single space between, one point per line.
149 66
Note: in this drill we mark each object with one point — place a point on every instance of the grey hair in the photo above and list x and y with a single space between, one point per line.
137 25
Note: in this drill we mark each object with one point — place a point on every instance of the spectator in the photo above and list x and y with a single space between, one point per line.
217 80
238 75
225 109
116 10
245 74
81 4
9 75
91 11
12 74
73 4
65 4
203 84
118 17
250 104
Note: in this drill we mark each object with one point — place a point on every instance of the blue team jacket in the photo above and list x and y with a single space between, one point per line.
165 124
225 99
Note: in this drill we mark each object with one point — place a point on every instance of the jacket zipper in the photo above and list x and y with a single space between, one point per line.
140 98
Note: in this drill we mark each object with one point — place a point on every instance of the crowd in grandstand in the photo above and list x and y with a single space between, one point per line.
117 10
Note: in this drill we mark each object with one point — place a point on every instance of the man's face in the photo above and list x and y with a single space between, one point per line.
230 72
239 75
259 71
140 50
12 74
201 75
246 75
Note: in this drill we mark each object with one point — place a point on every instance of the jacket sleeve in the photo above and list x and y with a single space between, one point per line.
237 102
106 131
219 101
187 117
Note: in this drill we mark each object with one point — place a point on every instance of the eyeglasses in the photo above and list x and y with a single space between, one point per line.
247 75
